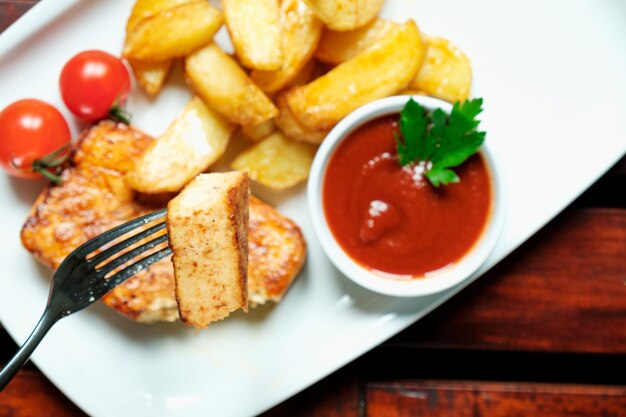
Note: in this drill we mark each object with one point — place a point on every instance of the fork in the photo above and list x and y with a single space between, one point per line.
80 280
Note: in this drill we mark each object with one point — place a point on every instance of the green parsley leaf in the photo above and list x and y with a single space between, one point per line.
438 176
439 140
413 122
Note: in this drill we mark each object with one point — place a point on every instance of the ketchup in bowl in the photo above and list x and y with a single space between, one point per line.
389 218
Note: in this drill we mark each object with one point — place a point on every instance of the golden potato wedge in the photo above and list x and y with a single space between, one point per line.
292 128
300 30
150 75
346 14
337 47
254 27
308 73
146 8
446 72
196 139
412 92
277 161
258 132
174 32
226 88
379 71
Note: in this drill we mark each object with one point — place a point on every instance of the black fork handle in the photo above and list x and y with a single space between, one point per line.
47 320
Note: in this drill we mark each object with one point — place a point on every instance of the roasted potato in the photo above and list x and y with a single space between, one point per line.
300 31
308 73
147 8
277 161
346 14
150 75
337 47
172 33
381 70
226 88
446 72
287 123
196 139
258 132
254 27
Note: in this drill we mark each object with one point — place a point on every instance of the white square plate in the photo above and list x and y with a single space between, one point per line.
553 78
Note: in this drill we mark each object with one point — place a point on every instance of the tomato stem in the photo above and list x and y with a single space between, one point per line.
118 112
50 166
50 176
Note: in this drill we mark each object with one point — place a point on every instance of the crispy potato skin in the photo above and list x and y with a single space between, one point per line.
173 32
381 70
291 127
254 27
446 72
337 47
277 161
343 15
94 198
226 88
300 31
196 138
150 75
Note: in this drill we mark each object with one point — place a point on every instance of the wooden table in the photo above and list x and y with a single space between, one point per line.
544 333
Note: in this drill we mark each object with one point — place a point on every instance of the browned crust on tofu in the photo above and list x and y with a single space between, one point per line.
238 200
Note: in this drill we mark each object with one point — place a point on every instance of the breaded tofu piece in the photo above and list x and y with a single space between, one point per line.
93 198
207 226
276 253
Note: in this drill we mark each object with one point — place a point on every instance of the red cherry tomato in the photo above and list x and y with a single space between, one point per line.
94 85
34 139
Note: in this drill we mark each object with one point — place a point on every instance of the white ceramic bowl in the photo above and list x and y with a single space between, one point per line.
435 282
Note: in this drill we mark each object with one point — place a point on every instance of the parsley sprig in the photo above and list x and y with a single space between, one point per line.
437 140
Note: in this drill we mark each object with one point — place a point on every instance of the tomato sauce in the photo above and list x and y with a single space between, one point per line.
391 219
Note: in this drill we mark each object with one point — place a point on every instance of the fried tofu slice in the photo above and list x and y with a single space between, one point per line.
276 253
94 198
207 225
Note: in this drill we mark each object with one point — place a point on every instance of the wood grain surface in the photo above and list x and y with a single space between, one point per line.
484 399
543 333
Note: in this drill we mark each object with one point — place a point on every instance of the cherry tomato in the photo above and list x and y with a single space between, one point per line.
34 139
94 85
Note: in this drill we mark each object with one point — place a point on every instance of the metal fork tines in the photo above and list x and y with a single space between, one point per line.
91 271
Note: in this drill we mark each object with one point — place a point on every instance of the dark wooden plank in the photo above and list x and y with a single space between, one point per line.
11 10
30 394
563 291
409 363
477 399
335 396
